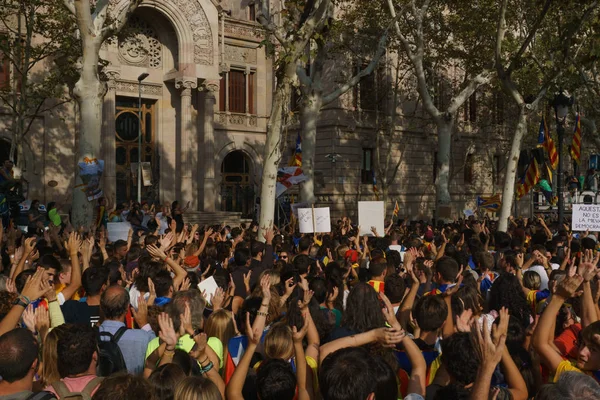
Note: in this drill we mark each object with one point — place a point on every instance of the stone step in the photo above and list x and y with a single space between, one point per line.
215 218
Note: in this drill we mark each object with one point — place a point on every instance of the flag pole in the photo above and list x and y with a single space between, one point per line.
313 219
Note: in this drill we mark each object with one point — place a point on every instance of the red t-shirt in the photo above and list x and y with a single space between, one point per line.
566 342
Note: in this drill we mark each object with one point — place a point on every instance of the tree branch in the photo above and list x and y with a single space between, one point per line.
481 79
120 19
362 73
517 56
70 5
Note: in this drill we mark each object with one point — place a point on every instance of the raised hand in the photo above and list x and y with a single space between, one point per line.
265 285
308 294
388 312
217 299
389 337
298 335
35 286
156 252
186 321
141 315
167 333
289 287
42 319
332 296
198 352
29 318
152 291
568 286
489 351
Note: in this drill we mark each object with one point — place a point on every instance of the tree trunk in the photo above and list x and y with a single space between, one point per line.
272 154
442 183
309 114
89 92
508 191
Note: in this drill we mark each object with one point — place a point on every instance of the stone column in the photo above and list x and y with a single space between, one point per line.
207 147
188 142
108 138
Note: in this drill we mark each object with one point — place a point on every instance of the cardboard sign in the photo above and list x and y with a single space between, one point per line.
371 214
586 217
314 220
118 231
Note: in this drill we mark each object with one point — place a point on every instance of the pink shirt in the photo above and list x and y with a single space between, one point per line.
74 384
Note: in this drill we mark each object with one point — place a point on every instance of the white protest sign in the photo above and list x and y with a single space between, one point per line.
209 287
586 217
118 231
371 214
297 206
313 220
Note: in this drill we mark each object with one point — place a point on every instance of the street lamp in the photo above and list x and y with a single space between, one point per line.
561 103
139 175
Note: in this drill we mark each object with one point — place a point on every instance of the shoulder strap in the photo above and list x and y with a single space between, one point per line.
61 389
43 395
89 388
119 333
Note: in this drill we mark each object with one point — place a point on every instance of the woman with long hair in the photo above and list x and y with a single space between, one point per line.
508 292
363 312
221 326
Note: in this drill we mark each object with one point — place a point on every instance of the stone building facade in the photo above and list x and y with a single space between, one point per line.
205 107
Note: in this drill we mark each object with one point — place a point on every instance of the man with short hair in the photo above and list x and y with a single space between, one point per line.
18 365
114 304
87 312
446 271
378 271
77 354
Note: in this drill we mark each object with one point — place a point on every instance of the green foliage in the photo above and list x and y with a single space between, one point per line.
37 35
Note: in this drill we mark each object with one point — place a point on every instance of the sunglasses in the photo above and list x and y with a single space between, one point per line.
283 257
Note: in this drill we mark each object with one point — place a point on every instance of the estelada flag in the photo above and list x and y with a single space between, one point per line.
396 209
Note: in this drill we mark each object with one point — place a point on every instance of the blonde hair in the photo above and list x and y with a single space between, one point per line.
273 275
279 342
197 388
532 280
220 325
50 372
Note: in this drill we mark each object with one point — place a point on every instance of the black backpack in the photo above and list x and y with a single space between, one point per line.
110 357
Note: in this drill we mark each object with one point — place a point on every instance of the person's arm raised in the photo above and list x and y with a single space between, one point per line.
211 371
28 246
254 333
489 353
180 273
407 305
34 288
512 375
301 367
417 383
73 245
564 291
588 270
207 234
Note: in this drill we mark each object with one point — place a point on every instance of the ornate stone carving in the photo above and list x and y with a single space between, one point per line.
240 54
112 77
141 47
186 85
203 42
244 31
132 87
209 86
225 118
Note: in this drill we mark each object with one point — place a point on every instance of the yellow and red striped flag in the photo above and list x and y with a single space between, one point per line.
547 142
576 145
531 178
396 209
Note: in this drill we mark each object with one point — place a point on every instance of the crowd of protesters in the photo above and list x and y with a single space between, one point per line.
436 311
